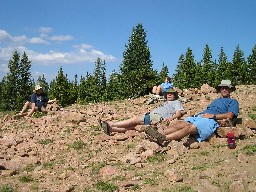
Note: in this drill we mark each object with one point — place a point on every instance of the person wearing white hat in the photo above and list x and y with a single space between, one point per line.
204 124
38 102
169 110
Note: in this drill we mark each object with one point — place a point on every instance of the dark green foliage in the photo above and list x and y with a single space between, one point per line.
162 74
239 69
73 87
17 84
187 71
136 76
105 186
6 188
223 71
252 66
136 69
208 68
93 87
60 89
42 81
113 88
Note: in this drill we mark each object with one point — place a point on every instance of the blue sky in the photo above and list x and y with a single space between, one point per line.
74 33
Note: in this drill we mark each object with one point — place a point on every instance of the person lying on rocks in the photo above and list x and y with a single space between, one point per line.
38 102
160 89
168 111
204 124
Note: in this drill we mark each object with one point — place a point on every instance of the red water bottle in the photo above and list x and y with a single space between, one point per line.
231 140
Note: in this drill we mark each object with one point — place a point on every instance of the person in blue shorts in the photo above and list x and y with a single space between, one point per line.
171 109
204 124
160 89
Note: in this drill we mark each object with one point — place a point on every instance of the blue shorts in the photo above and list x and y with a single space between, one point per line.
205 126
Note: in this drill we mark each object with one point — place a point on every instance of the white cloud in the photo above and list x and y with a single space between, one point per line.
4 35
61 38
56 57
82 46
45 30
82 53
13 40
37 40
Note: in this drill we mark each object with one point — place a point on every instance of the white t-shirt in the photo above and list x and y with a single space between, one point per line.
168 108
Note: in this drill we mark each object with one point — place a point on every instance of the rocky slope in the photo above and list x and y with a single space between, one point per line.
66 150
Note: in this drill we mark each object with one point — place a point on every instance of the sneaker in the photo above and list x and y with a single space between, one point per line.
150 101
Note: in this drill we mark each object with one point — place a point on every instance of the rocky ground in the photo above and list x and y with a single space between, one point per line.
67 151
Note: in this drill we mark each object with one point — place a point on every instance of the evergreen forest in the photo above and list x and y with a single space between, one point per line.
135 77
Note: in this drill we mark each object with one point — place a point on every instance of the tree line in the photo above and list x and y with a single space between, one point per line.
135 77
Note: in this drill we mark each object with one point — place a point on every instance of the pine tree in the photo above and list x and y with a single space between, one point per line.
113 88
59 88
73 91
223 69
187 71
136 68
101 80
252 66
25 84
208 68
10 84
178 77
42 81
163 73
87 92
240 73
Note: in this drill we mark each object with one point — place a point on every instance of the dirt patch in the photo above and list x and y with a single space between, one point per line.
65 150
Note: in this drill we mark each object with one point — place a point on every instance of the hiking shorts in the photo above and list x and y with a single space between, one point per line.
152 117
205 126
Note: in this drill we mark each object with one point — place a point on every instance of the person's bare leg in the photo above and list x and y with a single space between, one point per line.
159 90
187 130
154 89
26 105
125 125
173 128
120 129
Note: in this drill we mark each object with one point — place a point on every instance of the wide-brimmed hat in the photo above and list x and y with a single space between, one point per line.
226 83
171 91
37 87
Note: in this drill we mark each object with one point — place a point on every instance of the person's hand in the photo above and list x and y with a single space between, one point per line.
208 115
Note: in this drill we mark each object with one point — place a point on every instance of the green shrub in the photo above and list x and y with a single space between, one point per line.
26 179
77 145
250 149
105 186
7 188
45 141
158 157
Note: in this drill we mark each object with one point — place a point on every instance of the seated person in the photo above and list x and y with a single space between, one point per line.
169 110
160 89
203 125
38 102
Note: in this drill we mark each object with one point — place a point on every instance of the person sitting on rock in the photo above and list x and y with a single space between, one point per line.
204 124
39 101
169 110
160 89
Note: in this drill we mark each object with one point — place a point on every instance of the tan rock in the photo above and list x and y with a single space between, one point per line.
223 131
173 175
237 186
109 171
242 158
